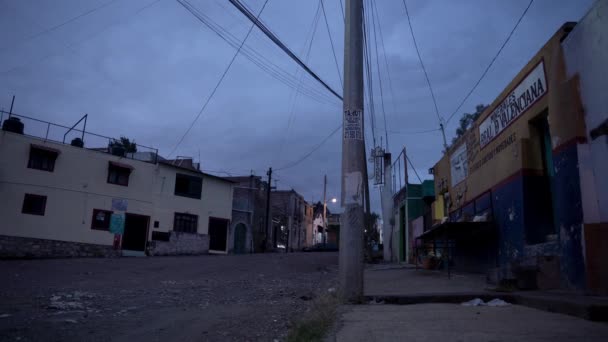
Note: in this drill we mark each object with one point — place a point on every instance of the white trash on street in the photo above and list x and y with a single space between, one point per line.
480 302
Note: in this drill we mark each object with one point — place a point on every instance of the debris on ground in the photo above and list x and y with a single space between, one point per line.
480 302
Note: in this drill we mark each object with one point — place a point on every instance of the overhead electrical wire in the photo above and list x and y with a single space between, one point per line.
333 49
55 27
280 44
368 75
314 149
373 15
294 98
88 37
188 6
390 79
428 81
262 62
521 17
413 168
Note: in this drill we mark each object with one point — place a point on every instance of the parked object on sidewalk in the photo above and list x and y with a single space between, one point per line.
480 302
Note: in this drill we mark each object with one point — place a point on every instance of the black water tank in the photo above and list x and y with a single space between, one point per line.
13 124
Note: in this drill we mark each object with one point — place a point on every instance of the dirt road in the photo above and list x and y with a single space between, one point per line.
205 298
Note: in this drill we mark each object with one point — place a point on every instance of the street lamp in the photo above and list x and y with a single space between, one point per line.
334 200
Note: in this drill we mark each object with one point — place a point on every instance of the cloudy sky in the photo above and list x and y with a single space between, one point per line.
144 68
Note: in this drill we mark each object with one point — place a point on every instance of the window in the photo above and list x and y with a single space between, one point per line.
34 204
119 174
42 158
101 219
186 223
188 186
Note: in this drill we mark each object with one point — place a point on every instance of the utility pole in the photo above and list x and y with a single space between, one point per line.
268 240
324 209
353 163
386 198
445 142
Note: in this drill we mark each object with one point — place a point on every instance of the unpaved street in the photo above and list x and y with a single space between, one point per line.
205 298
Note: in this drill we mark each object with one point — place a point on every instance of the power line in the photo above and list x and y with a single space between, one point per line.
53 28
71 46
262 62
309 40
373 15
492 61
415 132
301 159
390 79
280 44
368 75
219 82
333 49
413 168
409 22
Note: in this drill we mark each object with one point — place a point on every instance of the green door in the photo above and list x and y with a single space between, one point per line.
240 238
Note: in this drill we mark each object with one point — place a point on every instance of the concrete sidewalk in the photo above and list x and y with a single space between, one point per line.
434 311
452 322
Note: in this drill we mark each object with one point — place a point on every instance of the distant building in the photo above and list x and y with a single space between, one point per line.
247 231
288 218
308 223
62 200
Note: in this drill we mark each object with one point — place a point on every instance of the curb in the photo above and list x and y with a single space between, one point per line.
562 305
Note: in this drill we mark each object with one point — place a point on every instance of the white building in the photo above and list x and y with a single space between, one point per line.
62 200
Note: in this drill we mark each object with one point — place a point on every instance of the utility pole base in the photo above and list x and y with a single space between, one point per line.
351 254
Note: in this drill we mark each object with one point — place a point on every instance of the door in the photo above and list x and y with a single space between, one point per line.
240 238
218 233
136 232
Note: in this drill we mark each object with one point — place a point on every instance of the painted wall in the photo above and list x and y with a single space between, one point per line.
510 166
585 54
78 185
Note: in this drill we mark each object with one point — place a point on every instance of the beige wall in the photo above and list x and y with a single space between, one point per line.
79 184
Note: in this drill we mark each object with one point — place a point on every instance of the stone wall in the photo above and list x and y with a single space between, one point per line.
14 247
180 244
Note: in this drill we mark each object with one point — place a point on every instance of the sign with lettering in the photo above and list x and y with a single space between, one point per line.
117 224
523 96
459 164
353 124
378 155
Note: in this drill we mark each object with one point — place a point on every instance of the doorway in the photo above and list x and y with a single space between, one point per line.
218 234
540 221
136 232
240 238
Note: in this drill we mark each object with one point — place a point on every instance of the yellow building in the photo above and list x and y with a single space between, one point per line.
523 171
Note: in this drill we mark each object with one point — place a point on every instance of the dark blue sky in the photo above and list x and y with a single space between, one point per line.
145 74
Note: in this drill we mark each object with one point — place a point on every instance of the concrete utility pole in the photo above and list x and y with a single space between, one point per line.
386 198
353 163
268 242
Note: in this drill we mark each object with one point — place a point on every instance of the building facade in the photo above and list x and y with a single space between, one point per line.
289 219
521 178
247 231
62 200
